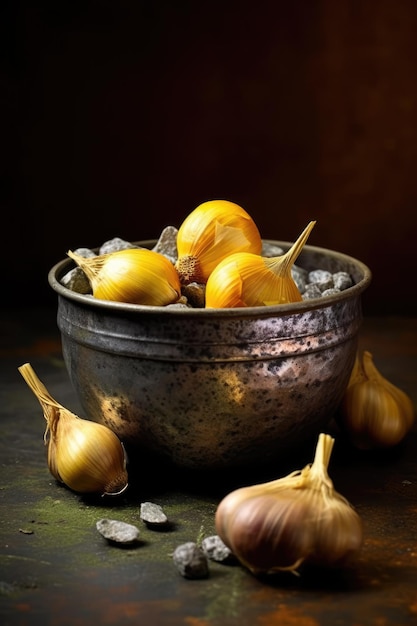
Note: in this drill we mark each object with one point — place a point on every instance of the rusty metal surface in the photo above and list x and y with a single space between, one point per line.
187 383
56 569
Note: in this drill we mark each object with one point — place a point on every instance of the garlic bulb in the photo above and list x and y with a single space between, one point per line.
87 457
297 519
134 275
374 413
211 232
244 279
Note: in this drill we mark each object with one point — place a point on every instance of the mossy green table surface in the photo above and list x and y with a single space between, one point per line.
56 569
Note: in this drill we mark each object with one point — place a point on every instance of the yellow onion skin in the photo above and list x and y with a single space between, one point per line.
210 233
134 276
374 413
161 285
372 417
87 457
243 280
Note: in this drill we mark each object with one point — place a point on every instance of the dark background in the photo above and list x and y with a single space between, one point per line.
121 117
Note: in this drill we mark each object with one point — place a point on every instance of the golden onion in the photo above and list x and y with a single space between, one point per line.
210 233
244 279
134 275
374 413
86 456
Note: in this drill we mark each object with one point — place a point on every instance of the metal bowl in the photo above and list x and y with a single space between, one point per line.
213 388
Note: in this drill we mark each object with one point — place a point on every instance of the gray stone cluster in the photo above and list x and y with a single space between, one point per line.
317 283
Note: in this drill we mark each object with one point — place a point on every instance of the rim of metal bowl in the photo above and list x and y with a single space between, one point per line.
63 266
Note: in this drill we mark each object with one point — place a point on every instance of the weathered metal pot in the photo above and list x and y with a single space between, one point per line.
210 389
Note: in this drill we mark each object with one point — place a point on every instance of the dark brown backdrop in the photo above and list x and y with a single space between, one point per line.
121 117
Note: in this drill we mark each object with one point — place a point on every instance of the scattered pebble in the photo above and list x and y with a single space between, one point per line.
216 550
153 514
117 532
6 589
191 561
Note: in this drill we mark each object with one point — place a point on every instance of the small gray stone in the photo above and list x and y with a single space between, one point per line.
167 243
195 294
153 514
320 276
191 561
300 277
215 549
342 280
325 285
117 532
6 589
180 304
311 291
116 244
87 253
270 250
330 292
300 271
77 281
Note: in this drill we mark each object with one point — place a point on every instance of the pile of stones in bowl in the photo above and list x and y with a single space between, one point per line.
317 283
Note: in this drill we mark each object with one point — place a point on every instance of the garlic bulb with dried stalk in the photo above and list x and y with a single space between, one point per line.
134 275
211 232
245 279
86 456
301 518
374 413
